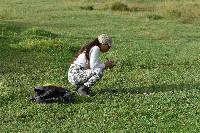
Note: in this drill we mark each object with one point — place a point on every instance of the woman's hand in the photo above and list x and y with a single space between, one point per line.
109 64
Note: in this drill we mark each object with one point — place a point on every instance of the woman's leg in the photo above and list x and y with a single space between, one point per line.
78 76
94 76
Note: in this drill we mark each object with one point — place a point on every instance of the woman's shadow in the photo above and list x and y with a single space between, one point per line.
150 89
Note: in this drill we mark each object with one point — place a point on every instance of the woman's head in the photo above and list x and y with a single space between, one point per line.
104 48
106 42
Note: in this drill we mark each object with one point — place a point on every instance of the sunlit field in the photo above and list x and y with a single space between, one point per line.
154 86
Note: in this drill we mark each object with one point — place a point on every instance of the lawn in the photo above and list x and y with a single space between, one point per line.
153 88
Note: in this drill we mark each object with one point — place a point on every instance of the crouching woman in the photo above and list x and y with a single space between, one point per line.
86 68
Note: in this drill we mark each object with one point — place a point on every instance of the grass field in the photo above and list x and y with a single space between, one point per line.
153 88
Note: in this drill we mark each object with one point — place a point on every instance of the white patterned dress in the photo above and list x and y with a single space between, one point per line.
78 74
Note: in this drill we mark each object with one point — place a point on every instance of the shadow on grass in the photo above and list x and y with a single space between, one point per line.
25 46
151 89
22 66
10 32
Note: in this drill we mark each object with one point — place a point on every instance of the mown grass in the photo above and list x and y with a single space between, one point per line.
153 88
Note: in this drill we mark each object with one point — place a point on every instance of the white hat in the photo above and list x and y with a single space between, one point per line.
105 39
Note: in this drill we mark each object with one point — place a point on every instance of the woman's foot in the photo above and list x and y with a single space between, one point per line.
84 91
78 86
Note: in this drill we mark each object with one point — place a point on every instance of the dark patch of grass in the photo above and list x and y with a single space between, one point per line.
119 6
136 6
10 31
2 17
36 33
154 17
89 7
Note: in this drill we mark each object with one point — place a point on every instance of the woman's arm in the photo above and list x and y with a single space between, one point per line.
94 58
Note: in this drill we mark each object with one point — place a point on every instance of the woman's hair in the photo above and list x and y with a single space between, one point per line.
87 48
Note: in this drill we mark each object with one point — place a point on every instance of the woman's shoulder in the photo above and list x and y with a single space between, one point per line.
95 48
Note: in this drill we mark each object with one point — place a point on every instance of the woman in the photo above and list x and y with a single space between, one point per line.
86 68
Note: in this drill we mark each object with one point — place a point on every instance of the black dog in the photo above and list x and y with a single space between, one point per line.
49 94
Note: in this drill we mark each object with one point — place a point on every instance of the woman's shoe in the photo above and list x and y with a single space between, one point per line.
84 91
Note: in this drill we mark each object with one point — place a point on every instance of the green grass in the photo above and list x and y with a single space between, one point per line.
153 88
